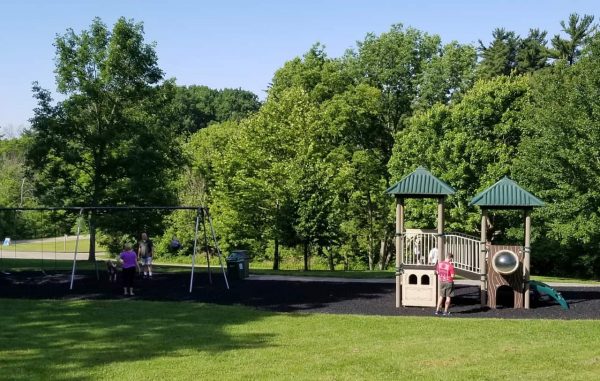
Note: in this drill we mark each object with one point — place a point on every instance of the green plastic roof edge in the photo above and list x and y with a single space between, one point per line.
420 183
506 193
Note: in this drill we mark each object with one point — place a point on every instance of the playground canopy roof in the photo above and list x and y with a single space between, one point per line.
506 194
421 184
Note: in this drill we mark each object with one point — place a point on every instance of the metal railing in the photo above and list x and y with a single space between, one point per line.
421 249
466 251
418 247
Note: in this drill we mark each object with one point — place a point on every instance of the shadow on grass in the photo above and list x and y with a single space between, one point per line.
50 332
72 340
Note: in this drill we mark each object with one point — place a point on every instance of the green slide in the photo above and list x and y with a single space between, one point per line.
539 288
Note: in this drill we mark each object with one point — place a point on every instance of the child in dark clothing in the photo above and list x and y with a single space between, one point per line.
111 268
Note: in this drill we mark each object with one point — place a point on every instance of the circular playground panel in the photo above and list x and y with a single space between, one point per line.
296 295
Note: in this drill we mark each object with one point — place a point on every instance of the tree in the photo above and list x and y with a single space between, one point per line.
578 30
447 75
320 76
12 172
500 57
558 162
393 63
198 106
106 143
15 191
532 53
470 144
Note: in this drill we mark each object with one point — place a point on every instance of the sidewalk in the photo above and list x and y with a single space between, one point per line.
462 282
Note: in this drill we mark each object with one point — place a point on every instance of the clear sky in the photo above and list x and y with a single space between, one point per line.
240 44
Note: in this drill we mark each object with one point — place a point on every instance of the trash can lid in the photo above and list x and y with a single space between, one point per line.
238 255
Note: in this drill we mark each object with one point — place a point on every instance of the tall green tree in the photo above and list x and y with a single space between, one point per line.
107 142
198 106
470 145
447 76
500 57
12 173
578 31
558 161
15 191
393 62
252 193
532 53
319 75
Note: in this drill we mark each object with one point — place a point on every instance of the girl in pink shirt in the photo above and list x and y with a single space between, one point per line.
445 273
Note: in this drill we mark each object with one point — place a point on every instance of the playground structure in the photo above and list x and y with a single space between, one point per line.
202 217
495 267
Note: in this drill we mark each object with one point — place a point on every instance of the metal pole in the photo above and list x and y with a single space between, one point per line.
207 253
527 257
95 262
76 248
217 247
399 248
194 253
482 258
36 234
440 231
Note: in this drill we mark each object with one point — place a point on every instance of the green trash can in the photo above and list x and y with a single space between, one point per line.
238 264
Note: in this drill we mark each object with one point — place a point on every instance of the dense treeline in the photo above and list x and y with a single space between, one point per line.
303 175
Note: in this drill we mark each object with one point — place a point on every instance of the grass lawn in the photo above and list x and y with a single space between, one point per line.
556 279
51 245
136 340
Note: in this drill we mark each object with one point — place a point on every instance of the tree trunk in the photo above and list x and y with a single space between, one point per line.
329 258
305 256
383 254
276 255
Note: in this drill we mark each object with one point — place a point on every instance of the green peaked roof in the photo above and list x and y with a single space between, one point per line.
506 194
421 183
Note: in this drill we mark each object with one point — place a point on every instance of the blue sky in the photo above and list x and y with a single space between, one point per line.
237 44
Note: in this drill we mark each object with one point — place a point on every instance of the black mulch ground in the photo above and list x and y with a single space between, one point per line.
361 298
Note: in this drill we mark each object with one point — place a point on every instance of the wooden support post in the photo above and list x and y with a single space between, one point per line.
527 257
482 258
399 248
440 231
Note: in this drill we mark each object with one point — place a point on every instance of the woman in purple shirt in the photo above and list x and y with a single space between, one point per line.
128 259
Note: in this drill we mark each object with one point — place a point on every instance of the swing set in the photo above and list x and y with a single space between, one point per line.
202 217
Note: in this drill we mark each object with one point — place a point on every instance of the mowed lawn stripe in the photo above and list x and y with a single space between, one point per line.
133 340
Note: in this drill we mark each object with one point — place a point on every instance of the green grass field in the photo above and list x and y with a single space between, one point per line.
50 245
136 340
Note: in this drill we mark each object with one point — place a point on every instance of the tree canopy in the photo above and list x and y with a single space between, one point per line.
108 141
302 175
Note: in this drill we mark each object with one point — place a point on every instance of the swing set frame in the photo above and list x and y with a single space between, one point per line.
202 216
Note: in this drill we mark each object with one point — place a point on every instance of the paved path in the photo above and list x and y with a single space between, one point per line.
466 282
49 255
